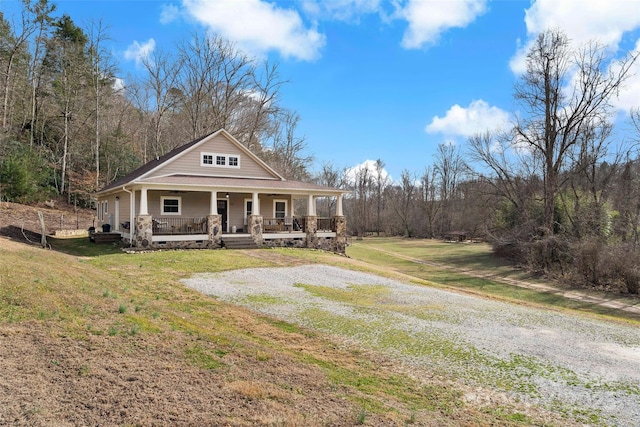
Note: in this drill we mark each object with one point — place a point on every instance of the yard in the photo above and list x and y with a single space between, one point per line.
90 335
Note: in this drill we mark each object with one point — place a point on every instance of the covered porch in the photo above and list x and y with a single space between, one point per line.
161 217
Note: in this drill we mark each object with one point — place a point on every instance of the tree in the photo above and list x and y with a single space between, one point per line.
555 144
564 93
102 78
381 181
286 151
449 168
66 59
403 202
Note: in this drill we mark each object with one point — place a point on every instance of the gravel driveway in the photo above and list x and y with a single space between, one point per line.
586 368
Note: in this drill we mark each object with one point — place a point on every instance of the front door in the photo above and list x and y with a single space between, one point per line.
222 211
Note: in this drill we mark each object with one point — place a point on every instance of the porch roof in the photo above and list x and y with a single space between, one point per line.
207 183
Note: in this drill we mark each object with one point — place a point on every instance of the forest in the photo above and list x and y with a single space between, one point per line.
558 192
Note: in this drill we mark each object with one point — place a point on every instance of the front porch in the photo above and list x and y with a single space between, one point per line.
229 219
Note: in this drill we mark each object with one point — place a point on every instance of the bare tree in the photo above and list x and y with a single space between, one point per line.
403 202
564 93
102 77
450 168
430 202
162 76
286 152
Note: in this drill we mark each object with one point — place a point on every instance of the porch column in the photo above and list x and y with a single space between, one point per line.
143 231
214 229
311 206
311 227
144 210
340 242
255 206
292 208
213 208
255 228
339 206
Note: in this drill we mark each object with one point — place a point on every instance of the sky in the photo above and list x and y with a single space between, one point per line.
378 79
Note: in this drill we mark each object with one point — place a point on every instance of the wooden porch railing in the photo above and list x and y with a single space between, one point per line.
326 224
179 225
279 225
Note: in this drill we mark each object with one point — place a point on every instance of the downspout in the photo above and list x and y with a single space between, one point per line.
132 213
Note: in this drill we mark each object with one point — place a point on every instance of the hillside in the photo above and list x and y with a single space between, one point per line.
21 221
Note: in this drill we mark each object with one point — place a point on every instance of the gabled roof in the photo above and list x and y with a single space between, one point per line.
149 167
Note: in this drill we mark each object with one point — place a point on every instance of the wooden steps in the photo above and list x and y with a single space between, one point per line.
243 242
105 237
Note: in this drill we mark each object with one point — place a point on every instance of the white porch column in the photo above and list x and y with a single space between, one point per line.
144 210
292 208
255 207
339 206
213 208
311 206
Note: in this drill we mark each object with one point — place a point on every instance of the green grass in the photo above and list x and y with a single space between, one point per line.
392 253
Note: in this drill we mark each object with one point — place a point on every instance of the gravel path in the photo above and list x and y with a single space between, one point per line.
586 368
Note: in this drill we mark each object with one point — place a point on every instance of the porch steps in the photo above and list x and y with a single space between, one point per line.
244 242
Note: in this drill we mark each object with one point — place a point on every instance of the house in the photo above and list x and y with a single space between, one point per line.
214 192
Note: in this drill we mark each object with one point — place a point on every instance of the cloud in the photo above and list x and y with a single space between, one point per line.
369 165
259 27
630 93
427 19
138 52
582 21
477 118
341 10
169 13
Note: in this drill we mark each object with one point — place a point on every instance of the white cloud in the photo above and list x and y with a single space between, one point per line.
630 93
259 27
582 21
139 51
118 84
477 118
342 10
369 165
428 19
169 13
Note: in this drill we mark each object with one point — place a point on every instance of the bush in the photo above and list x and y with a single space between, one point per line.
24 175
621 266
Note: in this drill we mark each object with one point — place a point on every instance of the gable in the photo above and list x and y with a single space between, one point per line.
224 158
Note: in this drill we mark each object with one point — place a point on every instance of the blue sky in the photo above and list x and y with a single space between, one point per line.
374 78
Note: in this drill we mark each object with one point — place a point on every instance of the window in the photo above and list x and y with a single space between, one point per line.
219 160
171 205
279 208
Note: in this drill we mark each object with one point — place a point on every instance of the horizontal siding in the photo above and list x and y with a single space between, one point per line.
189 163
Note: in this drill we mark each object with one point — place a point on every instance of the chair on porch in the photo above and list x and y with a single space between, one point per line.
288 223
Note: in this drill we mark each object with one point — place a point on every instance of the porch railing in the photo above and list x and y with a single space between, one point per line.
179 225
326 224
279 225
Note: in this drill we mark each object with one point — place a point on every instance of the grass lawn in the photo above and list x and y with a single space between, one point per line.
95 321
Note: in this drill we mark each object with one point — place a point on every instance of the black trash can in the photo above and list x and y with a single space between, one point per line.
106 228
